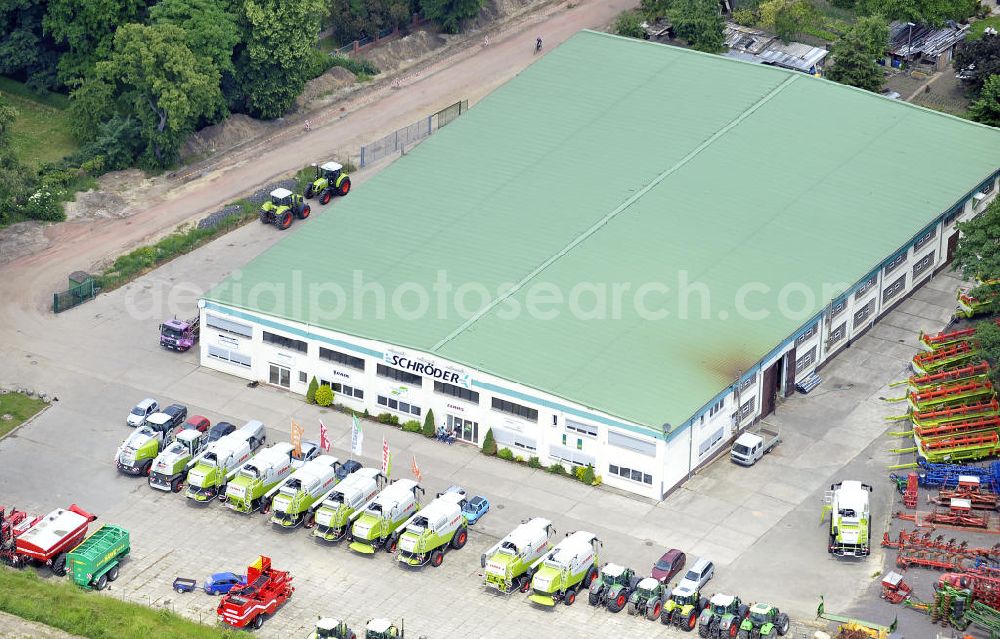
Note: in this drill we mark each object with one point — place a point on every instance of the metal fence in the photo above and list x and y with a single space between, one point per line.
400 140
78 293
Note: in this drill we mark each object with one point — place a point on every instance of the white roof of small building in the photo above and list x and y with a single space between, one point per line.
53 528
332 166
280 193
378 625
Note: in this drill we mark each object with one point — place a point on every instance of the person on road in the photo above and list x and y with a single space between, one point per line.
538 44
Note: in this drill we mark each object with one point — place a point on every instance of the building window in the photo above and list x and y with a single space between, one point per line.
864 288
748 382
229 356
396 405
923 264
894 263
228 326
632 443
987 188
285 342
801 339
343 389
457 391
579 444
716 407
838 307
893 289
806 360
398 375
302 377
746 410
953 214
838 333
279 376
341 358
583 429
515 409
863 314
709 442
464 429
630 474
924 239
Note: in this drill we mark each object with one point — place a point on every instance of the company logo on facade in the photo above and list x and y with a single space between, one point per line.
427 369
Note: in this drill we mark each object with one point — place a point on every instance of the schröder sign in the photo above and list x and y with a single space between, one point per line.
427 369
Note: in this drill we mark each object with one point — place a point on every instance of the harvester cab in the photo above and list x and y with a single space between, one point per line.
764 621
330 180
135 455
170 464
378 526
211 470
567 568
847 503
329 628
335 510
432 530
613 587
383 629
683 608
282 208
292 499
508 563
245 493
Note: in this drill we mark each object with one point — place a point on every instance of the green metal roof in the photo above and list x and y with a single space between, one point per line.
614 161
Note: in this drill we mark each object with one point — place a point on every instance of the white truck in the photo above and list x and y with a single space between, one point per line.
507 564
754 444
435 528
211 471
292 499
345 503
245 493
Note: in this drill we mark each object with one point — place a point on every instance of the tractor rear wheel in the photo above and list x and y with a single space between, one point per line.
284 221
654 611
591 576
616 604
59 565
570 598
692 621
326 196
437 558
781 623
460 538
304 211
309 191
734 628
102 582
743 634
704 630
113 573
345 186
702 604
742 612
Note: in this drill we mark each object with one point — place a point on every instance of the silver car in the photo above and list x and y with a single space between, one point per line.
145 408
698 575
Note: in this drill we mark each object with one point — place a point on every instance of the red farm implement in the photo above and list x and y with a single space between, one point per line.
925 382
943 339
985 587
955 414
894 589
954 356
991 422
266 590
45 540
954 393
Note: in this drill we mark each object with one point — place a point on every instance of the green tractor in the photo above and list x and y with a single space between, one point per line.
329 628
330 180
683 608
647 598
723 617
613 587
764 621
282 207
383 629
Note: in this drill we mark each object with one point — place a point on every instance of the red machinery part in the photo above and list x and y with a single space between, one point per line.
910 496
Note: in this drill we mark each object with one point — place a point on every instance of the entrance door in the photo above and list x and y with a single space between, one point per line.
789 359
769 389
952 245
280 376
465 429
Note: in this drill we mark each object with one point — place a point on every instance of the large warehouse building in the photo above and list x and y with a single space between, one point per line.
620 258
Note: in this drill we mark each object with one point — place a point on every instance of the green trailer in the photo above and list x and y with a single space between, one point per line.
94 563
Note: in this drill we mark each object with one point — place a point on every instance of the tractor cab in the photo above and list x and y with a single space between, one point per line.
328 628
615 574
330 171
684 596
721 604
329 180
382 629
281 197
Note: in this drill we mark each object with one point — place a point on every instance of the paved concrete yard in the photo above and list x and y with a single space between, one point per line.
760 525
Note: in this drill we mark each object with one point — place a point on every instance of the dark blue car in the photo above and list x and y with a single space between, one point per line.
222 582
475 508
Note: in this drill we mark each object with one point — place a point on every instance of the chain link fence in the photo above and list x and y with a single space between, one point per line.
401 139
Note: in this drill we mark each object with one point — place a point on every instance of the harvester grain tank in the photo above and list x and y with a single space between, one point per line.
847 502
47 540
212 470
95 562
292 499
337 509
171 464
564 570
508 563
378 525
266 590
429 533
245 493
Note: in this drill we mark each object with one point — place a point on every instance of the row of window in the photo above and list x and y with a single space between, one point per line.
286 342
923 264
456 391
806 360
226 355
400 376
395 404
894 289
341 358
716 407
525 412
631 474
804 337
343 389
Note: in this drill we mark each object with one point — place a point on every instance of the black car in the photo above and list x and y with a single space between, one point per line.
219 431
347 468
178 413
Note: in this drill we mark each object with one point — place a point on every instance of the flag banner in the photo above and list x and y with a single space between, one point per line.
416 470
324 437
297 438
357 436
385 457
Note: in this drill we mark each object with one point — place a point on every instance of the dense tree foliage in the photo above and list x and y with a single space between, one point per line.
977 255
933 12
26 53
977 61
450 13
86 27
788 18
629 24
210 29
987 108
699 22
353 19
855 54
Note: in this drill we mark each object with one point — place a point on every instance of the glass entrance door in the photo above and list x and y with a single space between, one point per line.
465 429
280 376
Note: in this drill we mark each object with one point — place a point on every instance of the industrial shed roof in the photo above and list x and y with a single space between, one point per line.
613 162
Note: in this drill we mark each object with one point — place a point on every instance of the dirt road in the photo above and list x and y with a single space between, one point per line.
471 73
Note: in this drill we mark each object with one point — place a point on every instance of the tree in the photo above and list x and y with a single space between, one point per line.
788 18
629 24
450 13
988 336
7 116
211 31
324 395
87 28
700 23
489 444
987 108
855 54
152 76
430 428
311 390
589 477
273 64
25 52
932 12
978 252
352 19
977 61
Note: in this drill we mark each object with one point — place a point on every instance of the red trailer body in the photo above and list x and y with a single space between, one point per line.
50 537
265 592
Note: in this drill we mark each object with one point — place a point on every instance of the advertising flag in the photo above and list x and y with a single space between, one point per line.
297 438
416 470
324 437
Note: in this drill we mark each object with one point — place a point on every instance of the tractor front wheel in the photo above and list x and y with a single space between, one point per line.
437 558
284 221
653 611
258 621
326 196
570 598
743 635
304 212
264 217
733 629
309 520
345 186
176 485
631 608
591 576
692 621
704 630
460 538
309 191
781 623
616 604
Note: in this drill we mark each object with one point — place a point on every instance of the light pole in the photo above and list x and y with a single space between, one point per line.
909 40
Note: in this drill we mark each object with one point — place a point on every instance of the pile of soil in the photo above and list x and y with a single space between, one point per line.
325 88
403 52
236 129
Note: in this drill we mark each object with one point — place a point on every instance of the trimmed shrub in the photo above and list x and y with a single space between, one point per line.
557 469
311 391
324 395
534 462
412 426
489 444
505 453
588 476
429 428
519 459
578 472
388 418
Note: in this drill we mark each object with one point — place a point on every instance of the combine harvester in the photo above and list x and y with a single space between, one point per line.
565 570
337 509
245 493
508 563
429 533
171 464
43 540
378 524
212 470
266 590
847 503
957 355
293 498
